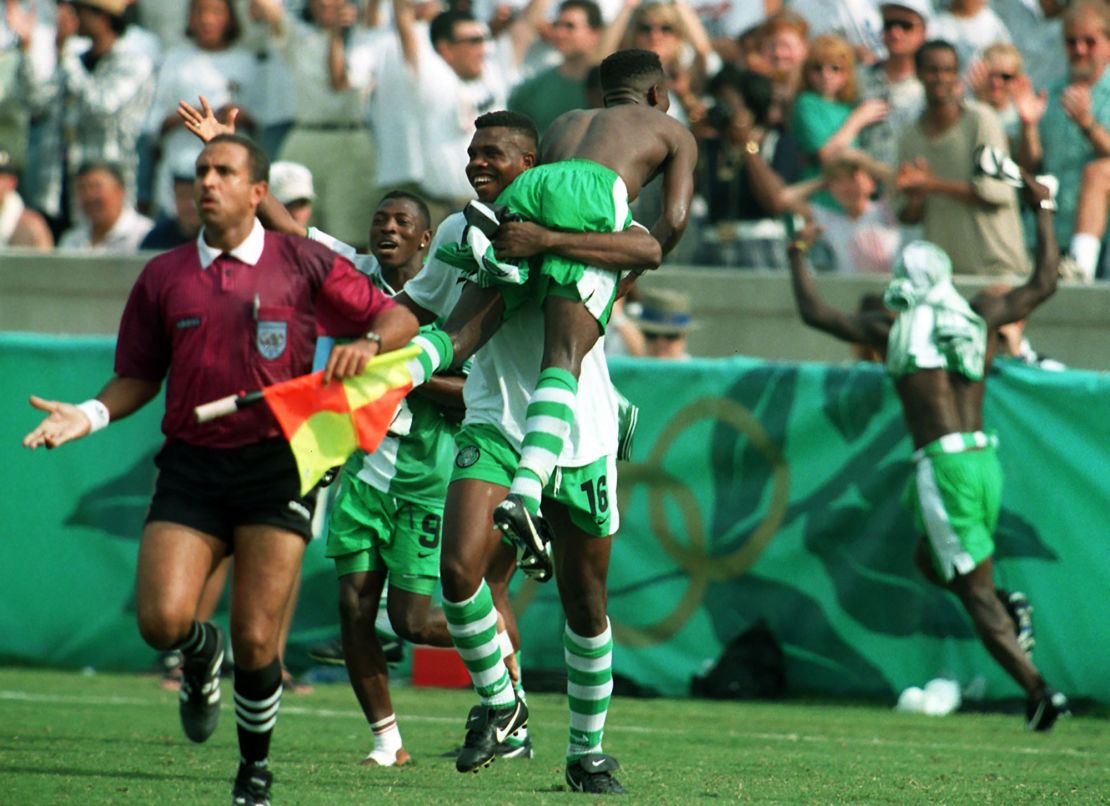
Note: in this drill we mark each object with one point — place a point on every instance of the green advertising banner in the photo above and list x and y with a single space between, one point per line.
759 493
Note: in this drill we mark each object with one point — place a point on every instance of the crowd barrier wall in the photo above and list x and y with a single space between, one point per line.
737 312
758 491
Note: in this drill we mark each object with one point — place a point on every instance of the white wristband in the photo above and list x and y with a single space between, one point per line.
97 413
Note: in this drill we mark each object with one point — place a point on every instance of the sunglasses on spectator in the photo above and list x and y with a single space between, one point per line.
647 28
902 25
663 336
833 68
1004 76
1074 41
469 40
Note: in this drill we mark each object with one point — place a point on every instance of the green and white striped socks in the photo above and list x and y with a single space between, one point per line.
589 689
547 425
436 353
473 627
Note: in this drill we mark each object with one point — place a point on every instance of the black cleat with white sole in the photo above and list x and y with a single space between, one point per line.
594 774
200 693
486 731
529 533
252 786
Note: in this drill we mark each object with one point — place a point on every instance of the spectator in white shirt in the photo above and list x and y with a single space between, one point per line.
110 224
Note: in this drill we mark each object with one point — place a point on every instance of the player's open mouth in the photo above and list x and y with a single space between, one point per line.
481 180
386 245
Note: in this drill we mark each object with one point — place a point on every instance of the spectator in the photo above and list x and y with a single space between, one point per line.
98 92
449 85
894 79
212 64
784 39
857 21
19 225
291 184
1013 344
971 26
183 226
974 219
826 116
994 79
861 235
333 71
1075 120
110 225
673 32
743 162
665 320
550 93
727 20
1037 30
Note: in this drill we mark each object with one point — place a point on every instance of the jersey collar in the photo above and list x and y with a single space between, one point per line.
249 251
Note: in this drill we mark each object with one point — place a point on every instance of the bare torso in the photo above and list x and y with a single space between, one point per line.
936 402
633 140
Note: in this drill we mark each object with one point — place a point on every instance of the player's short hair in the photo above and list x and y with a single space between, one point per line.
631 69
929 47
420 205
591 9
113 169
256 158
521 124
443 26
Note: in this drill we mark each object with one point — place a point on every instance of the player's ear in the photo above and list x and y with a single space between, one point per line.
528 158
425 238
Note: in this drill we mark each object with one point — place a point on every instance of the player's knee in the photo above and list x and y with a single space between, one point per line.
255 645
163 627
586 616
355 609
459 581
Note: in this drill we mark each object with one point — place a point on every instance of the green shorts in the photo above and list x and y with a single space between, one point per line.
589 492
369 530
956 495
576 196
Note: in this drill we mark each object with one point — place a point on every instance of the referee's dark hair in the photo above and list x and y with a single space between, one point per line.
521 124
632 69
259 162
420 205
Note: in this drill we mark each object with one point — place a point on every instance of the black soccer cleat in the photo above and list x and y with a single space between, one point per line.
529 533
199 704
1021 613
252 786
1042 712
511 748
594 774
486 729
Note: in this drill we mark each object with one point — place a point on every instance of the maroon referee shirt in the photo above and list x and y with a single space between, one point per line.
221 323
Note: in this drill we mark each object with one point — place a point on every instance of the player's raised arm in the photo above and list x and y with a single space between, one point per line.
678 188
66 422
1020 301
633 248
815 312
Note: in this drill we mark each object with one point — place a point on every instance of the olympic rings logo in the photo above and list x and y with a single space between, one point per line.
701 567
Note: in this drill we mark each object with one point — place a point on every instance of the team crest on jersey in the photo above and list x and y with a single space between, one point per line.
467 456
271 338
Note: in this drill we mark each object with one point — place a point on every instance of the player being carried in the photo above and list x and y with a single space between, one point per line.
592 164
937 352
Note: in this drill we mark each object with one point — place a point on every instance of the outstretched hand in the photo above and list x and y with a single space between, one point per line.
806 237
64 423
203 122
348 360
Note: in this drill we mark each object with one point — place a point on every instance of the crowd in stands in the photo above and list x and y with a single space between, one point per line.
849 112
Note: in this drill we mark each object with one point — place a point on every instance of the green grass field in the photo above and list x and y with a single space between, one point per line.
111 739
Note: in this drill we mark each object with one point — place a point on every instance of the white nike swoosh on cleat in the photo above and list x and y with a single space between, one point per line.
597 762
499 734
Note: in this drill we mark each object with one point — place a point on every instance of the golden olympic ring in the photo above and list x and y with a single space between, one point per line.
700 566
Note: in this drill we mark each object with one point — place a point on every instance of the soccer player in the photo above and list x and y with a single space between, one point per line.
593 162
238 308
937 351
580 499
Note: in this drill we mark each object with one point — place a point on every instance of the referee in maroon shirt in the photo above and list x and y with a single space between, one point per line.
239 308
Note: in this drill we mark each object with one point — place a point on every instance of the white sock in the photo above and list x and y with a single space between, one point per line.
387 741
1084 248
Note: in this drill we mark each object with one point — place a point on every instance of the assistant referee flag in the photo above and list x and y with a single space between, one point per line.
326 424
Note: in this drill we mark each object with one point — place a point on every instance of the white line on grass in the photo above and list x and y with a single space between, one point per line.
354 713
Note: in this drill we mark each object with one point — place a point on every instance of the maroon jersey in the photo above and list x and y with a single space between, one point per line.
233 326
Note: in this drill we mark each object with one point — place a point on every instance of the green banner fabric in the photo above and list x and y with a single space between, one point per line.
758 493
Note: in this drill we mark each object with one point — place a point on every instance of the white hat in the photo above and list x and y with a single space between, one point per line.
290 182
922 8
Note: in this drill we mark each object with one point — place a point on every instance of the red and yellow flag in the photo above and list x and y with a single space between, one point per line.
326 424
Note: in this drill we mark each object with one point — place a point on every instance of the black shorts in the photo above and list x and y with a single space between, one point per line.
214 490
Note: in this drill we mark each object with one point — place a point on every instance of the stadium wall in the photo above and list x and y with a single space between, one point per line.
758 492
737 312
